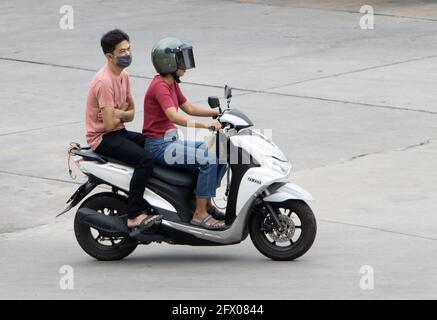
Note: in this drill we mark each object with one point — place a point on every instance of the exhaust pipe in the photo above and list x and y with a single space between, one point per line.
109 226
112 226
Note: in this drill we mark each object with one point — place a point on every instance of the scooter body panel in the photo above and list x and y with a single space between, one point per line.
255 181
120 176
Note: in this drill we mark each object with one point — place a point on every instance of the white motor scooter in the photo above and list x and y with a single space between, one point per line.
260 199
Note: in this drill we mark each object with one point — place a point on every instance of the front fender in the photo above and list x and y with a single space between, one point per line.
289 191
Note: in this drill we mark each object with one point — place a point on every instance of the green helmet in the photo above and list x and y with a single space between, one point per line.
170 54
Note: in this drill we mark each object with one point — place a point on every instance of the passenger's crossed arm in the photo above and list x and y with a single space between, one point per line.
112 117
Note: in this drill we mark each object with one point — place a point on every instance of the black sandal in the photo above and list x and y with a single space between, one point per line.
145 224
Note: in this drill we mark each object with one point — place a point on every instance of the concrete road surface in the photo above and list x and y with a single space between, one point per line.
354 109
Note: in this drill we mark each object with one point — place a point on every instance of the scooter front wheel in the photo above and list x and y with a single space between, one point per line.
294 239
95 244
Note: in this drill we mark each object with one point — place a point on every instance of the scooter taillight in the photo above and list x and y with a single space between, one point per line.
78 160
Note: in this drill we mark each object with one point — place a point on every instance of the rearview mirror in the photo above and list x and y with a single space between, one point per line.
228 92
213 102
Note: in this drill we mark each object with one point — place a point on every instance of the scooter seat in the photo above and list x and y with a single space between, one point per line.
174 176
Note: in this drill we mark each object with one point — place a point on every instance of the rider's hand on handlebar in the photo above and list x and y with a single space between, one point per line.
214 125
216 113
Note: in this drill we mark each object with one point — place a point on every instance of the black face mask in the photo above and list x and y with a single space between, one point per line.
124 61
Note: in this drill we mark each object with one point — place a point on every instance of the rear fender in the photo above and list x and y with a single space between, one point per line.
80 193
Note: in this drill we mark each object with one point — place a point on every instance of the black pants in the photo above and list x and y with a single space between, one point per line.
128 147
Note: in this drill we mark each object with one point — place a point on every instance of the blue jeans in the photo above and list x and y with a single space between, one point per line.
170 151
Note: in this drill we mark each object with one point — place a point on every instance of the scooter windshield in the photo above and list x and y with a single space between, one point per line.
185 57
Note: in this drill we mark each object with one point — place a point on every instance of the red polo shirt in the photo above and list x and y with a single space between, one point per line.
158 98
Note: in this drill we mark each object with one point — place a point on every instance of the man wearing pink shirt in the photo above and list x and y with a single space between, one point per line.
109 106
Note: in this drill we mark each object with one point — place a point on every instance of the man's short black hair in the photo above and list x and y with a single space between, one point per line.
111 38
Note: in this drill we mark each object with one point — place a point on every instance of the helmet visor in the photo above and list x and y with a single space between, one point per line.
185 58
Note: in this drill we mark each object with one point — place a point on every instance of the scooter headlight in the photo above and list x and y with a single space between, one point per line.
283 167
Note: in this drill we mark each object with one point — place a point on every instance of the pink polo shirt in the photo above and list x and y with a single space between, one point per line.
106 90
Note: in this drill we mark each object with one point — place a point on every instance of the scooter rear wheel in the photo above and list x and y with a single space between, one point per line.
96 245
298 234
